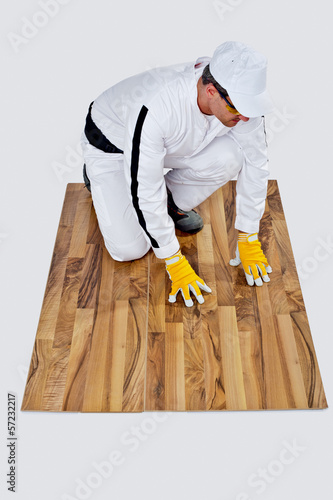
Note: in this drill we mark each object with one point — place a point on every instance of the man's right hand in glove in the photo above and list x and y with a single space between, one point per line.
184 279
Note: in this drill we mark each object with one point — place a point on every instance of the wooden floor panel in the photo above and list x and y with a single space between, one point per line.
108 340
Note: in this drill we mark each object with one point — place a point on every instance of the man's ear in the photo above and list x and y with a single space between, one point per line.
210 90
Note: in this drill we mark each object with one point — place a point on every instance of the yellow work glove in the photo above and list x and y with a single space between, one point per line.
254 262
184 279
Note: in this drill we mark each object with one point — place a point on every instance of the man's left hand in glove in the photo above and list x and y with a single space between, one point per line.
252 258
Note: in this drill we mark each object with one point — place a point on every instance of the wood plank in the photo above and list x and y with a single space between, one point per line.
55 384
275 391
277 293
274 201
155 372
80 228
68 303
37 376
52 297
193 362
212 355
91 275
157 295
288 267
136 337
175 398
118 355
252 365
155 364
73 194
229 206
231 358
221 248
194 373
206 263
54 287
78 360
284 250
134 379
290 362
96 370
94 236
308 361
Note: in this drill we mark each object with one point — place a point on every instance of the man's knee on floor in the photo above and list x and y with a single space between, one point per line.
128 253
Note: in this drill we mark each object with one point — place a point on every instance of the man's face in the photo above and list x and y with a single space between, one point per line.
219 109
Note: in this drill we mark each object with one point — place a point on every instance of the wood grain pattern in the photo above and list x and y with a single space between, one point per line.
78 360
108 340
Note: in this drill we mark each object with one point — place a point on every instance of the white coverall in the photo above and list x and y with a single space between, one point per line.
155 120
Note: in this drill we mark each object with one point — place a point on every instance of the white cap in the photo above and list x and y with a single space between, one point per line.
241 71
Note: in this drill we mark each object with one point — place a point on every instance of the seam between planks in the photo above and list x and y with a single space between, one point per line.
147 326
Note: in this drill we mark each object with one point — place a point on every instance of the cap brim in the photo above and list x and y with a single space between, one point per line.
252 106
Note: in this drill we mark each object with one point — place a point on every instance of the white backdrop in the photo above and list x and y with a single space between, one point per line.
58 55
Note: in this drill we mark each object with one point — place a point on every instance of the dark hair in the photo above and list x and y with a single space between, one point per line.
207 77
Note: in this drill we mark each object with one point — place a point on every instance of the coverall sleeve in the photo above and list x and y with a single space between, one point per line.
251 186
144 154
